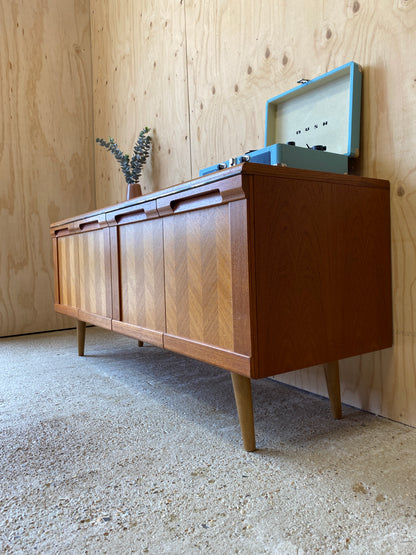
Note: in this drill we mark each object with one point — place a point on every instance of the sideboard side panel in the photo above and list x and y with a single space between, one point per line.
361 269
323 271
292 273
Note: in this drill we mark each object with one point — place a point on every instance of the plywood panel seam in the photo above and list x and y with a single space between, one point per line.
188 89
94 183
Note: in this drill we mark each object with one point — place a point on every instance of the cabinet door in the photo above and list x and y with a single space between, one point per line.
206 279
139 280
95 278
83 270
66 274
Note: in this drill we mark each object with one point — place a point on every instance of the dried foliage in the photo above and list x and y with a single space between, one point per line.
131 166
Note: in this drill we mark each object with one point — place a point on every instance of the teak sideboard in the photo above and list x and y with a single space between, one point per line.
256 269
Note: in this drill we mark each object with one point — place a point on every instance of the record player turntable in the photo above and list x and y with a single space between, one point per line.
314 126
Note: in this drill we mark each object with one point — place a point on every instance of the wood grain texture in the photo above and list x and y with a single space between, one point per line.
334 392
81 337
56 269
141 274
198 276
242 53
139 74
84 276
263 284
322 260
243 287
68 271
235 362
115 273
137 332
46 168
244 402
95 273
239 54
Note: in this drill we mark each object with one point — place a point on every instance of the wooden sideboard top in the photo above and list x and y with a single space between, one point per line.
246 168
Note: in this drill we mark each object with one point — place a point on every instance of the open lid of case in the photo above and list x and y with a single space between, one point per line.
324 111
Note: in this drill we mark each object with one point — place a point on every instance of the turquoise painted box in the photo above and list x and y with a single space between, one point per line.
314 126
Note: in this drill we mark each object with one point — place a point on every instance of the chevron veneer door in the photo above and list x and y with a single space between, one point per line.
207 285
140 281
83 276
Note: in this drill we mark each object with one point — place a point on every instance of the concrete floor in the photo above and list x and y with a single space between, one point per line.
132 450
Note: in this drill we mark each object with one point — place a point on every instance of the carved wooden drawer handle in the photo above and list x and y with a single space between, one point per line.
219 192
195 201
135 213
61 232
87 226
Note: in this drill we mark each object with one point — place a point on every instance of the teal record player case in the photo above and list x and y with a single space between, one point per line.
315 125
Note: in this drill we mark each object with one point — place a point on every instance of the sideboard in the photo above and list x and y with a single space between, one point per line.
256 269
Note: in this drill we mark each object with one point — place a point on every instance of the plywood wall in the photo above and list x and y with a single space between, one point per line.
140 79
46 153
199 73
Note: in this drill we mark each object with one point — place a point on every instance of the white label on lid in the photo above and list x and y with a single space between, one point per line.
316 114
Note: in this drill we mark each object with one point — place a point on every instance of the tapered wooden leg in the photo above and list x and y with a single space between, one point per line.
140 343
244 402
334 392
81 337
